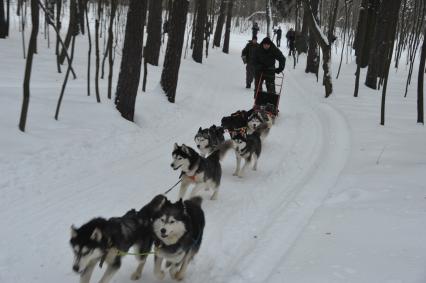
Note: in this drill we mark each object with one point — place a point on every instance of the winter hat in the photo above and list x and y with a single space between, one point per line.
266 40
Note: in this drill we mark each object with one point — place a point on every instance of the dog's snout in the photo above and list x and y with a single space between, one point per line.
198 146
75 268
163 231
171 165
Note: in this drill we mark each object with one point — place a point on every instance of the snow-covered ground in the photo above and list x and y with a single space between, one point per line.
336 198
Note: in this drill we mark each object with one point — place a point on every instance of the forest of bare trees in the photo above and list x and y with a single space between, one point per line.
381 35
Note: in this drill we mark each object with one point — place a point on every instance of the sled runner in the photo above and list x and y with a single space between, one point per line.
268 101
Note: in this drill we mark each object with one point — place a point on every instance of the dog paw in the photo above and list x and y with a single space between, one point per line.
179 276
135 276
173 273
160 275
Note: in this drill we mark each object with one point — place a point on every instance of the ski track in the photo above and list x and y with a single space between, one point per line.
301 160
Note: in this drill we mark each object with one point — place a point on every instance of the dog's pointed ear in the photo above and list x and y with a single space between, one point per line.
175 146
200 129
182 206
96 235
185 148
158 202
73 232
162 203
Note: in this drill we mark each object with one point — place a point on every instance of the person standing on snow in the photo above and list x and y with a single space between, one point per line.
291 38
255 29
279 33
247 55
264 64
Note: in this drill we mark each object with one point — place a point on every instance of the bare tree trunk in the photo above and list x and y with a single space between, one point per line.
228 27
29 63
153 41
169 76
151 52
345 27
325 47
364 36
219 24
312 62
388 19
110 48
302 38
8 17
73 19
97 23
420 83
89 52
197 53
130 70
268 19
58 26
384 37
58 106
3 24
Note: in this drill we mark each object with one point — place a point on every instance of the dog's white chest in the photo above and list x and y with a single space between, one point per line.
172 257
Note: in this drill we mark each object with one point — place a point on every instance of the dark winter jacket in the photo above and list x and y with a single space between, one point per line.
248 51
291 35
264 60
279 33
255 29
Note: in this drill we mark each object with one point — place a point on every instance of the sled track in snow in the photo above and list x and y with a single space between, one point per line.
324 154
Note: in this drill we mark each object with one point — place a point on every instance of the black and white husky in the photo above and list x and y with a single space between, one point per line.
208 139
178 230
247 147
205 173
107 240
259 119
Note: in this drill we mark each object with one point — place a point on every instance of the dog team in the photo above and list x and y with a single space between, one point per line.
174 231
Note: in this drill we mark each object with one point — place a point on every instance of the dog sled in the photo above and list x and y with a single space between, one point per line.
267 101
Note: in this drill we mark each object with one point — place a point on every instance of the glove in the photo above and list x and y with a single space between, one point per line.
244 59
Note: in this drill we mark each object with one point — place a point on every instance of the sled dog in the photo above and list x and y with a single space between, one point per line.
208 139
247 147
107 240
205 173
259 119
178 231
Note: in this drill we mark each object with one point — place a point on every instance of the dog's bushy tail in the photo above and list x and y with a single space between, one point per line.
221 150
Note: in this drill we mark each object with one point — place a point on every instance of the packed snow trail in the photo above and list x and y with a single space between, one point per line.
100 165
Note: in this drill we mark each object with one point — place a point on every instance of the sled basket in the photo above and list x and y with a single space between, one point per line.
268 101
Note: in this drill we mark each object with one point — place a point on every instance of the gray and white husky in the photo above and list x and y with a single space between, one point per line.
107 240
178 231
204 173
259 120
208 139
247 147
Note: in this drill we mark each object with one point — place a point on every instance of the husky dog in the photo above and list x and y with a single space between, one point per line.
248 147
203 172
107 240
208 139
259 119
237 120
178 231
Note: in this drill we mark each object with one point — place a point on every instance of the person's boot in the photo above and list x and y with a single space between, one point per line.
248 86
